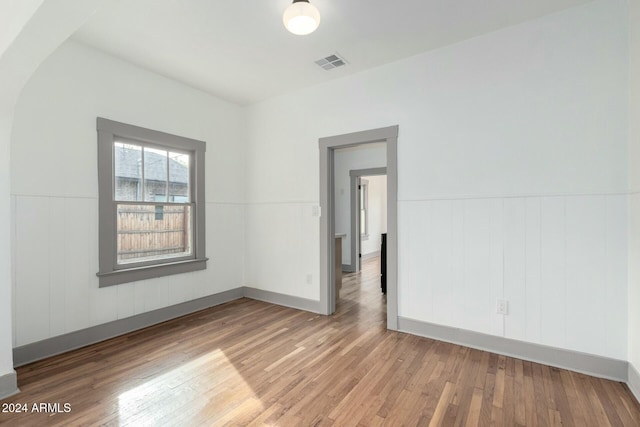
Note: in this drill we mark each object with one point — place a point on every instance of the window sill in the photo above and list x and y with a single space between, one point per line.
118 277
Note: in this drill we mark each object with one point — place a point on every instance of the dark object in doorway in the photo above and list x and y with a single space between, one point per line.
383 264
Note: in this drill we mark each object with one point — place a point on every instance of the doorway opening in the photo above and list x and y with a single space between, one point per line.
363 279
330 265
368 214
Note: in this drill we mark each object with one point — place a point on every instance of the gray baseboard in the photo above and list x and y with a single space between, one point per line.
8 384
371 255
589 364
349 268
282 299
634 381
62 343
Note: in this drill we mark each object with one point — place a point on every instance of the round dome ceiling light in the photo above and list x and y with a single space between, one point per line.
301 17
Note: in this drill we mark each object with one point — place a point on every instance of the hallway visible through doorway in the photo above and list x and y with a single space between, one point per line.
361 295
369 215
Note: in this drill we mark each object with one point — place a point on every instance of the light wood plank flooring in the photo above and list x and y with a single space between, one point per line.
253 363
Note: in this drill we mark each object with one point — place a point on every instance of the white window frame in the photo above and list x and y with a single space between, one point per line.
110 272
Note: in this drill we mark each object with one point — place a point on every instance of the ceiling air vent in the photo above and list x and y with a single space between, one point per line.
331 62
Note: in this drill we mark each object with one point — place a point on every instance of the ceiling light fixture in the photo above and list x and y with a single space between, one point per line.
301 17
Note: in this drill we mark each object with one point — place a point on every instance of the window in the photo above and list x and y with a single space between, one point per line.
364 208
151 203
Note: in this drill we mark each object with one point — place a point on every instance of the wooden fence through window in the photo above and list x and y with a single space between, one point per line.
146 231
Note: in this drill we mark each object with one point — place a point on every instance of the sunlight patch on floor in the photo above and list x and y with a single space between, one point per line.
182 394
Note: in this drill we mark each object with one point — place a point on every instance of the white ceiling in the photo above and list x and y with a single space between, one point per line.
240 50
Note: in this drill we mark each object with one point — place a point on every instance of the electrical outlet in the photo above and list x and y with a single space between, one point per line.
502 306
309 279
315 211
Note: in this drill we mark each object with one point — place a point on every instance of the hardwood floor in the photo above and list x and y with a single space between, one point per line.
253 363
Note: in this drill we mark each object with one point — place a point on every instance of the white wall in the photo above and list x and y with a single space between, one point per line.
634 185
559 261
345 160
513 142
30 37
6 356
54 190
377 207
14 14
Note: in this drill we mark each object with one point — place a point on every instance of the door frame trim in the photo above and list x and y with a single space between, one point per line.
327 147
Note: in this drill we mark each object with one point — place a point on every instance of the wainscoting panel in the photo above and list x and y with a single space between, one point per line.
557 260
56 259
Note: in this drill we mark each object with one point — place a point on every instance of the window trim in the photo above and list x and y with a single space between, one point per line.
363 188
110 272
